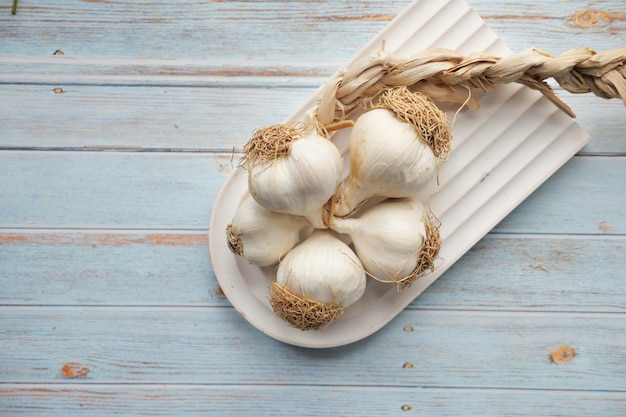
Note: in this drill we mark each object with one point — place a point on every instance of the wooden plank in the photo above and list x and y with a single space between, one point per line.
502 272
161 118
533 273
110 189
191 118
603 120
21 69
197 29
329 32
121 400
154 190
574 189
216 346
107 268
556 26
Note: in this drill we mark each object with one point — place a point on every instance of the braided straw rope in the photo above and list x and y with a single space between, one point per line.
447 76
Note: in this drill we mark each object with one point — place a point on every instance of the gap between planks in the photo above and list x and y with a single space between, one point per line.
28 231
121 149
6 387
443 312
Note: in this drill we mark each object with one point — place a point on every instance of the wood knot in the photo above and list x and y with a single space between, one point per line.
592 18
74 370
563 355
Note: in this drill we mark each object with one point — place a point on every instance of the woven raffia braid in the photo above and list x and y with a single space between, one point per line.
449 77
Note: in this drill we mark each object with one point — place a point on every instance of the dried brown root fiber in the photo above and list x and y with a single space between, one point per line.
234 242
428 254
271 143
422 113
301 312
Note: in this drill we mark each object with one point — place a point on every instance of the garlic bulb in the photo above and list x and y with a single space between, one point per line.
394 149
262 236
316 280
395 240
292 169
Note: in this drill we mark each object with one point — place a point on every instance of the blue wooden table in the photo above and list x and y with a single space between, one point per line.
118 122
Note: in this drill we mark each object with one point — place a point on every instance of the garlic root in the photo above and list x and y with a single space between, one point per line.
395 148
422 113
396 240
262 236
301 312
316 280
293 170
234 242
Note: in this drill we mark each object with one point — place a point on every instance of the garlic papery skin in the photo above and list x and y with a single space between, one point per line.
395 240
262 236
316 281
292 169
387 159
394 149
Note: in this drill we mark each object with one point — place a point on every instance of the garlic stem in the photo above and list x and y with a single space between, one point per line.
343 124
388 158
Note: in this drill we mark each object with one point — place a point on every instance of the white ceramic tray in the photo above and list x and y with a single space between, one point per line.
501 153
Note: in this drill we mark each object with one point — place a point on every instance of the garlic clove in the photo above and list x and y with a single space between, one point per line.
316 281
262 236
395 240
293 170
394 149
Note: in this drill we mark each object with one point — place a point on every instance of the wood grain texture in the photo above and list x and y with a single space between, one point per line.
196 28
217 346
108 302
218 117
271 401
502 272
563 194
229 31
157 118
155 190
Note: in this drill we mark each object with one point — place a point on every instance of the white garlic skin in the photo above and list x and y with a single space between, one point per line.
387 159
301 182
323 268
265 236
387 237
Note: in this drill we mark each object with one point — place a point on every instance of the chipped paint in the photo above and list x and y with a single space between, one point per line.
605 227
516 17
105 239
227 163
563 355
365 18
8 239
592 18
74 370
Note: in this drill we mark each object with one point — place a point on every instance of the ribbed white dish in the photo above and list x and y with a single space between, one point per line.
501 153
